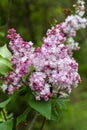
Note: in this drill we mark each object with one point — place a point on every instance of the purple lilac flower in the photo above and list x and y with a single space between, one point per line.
22 55
55 69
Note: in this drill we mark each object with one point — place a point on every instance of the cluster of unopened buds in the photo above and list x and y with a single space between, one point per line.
55 69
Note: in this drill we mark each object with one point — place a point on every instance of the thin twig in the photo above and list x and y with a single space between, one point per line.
8 19
33 121
14 122
43 123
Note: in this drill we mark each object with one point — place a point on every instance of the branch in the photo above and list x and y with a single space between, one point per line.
33 121
43 123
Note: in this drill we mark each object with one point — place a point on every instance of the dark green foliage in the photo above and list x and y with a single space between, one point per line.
6 125
43 107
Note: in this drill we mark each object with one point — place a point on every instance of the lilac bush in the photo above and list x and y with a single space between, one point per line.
50 70
55 69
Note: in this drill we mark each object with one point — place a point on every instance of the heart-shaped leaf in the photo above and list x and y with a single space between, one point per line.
43 107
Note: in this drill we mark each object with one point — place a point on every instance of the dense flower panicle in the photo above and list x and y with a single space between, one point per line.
12 82
22 55
37 82
55 69
80 8
72 24
75 22
12 34
55 35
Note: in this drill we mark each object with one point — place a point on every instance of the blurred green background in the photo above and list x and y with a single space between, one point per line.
32 18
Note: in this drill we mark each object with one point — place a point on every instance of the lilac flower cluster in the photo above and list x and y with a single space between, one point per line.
80 8
55 70
55 35
22 54
73 23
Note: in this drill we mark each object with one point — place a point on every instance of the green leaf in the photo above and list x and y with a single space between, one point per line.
43 107
1 117
2 34
4 52
5 66
54 115
3 104
23 116
10 116
7 125
31 69
61 103
24 77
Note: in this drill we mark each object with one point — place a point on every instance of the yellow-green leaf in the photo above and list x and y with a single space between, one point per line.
4 52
